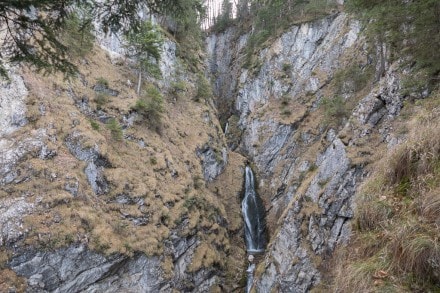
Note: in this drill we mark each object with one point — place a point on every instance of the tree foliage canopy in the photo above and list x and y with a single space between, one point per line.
30 30
410 28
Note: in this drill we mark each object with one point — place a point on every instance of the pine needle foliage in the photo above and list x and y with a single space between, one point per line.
145 45
150 107
32 30
410 28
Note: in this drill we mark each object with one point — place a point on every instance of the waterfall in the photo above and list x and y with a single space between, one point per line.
250 277
254 216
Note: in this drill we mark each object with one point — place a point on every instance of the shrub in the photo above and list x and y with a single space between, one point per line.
287 67
76 34
198 182
94 124
178 88
101 81
204 91
334 109
286 112
150 107
101 99
115 129
352 78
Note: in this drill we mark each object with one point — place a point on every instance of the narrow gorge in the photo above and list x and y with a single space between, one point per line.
239 168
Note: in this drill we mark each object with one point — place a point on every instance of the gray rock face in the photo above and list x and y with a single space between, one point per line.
96 163
213 162
11 213
12 151
310 222
76 269
13 94
309 48
221 63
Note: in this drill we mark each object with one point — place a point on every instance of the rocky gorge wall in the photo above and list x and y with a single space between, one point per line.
93 199
316 110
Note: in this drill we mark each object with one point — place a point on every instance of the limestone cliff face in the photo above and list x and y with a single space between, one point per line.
309 158
94 199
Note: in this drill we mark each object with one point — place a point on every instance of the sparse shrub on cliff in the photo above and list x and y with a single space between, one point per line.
101 99
77 34
101 81
353 78
94 124
273 17
204 91
334 109
178 89
115 129
150 107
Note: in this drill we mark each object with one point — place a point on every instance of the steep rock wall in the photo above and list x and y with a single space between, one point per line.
309 162
92 199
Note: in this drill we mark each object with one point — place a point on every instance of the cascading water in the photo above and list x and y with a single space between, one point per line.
254 216
254 224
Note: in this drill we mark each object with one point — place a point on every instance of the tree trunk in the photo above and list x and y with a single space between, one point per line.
139 82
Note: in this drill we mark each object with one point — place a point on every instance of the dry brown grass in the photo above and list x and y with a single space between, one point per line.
10 282
158 175
396 246
415 250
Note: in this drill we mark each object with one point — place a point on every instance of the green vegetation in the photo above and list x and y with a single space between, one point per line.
178 89
94 124
204 91
77 34
353 78
334 109
287 67
198 182
150 107
409 28
101 99
37 38
271 18
102 82
145 45
188 15
224 20
115 129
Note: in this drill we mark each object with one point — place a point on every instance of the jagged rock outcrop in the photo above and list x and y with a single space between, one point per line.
151 199
308 166
83 209
77 269
12 103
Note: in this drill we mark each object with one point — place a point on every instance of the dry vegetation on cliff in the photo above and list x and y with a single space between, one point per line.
396 246
152 179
